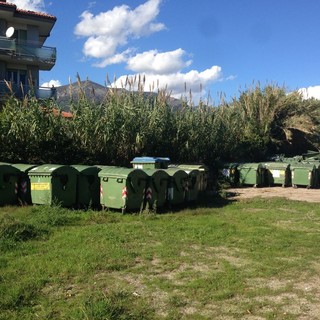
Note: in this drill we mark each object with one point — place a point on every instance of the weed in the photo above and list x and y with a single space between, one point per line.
13 230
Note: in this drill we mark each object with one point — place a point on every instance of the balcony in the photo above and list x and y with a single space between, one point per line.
41 93
19 52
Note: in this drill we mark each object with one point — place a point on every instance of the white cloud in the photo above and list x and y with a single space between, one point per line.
116 58
101 46
310 92
51 83
107 39
178 83
107 31
158 63
32 5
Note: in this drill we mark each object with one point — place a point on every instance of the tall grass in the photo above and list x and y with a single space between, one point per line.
129 122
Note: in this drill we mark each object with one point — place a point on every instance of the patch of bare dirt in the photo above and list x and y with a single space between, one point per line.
299 194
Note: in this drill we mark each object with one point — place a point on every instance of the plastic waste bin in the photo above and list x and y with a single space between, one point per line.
150 163
53 183
88 186
156 189
203 174
252 174
122 188
194 183
9 176
305 175
278 173
177 187
24 185
316 162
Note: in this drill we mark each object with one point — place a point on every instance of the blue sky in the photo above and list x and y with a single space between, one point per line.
207 46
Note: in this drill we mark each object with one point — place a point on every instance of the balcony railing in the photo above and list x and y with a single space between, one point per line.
28 51
8 89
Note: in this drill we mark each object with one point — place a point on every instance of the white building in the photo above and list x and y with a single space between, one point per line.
22 51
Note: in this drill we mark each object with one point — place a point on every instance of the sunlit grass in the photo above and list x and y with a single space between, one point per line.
252 257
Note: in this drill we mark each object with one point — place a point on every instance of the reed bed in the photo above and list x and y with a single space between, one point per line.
130 122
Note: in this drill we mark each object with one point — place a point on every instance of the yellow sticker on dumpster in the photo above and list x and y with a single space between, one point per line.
40 186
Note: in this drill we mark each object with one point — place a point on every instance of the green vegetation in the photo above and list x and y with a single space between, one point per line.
255 258
127 123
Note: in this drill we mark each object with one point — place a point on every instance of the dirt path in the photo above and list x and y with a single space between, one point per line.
301 194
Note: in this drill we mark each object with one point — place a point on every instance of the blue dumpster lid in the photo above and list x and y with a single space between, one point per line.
149 160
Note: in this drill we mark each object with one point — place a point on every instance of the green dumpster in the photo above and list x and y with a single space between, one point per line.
278 173
156 189
203 174
304 174
150 163
24 185
9 176
252 174
122 188
315 162
53 183
178 186
230 172
88 186
194 183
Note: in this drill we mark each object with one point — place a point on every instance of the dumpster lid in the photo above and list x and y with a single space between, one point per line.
23 167
200 167
86 170
275 165
48 169
8 168
176 172
149 160
156 172
251 165
300 165
120 172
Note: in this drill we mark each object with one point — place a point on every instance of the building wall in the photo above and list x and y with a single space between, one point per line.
33 34
3 27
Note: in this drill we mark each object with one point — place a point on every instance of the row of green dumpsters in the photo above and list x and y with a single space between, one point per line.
150 183
286 174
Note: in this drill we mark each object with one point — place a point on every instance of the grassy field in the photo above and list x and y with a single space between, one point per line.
253 259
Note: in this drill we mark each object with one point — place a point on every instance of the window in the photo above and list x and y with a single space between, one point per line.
16 76
20 35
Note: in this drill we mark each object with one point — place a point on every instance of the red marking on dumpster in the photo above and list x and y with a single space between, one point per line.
124 193
24 186
101 192
149 193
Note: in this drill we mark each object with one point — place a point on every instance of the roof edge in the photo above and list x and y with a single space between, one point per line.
15 9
